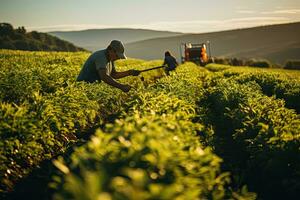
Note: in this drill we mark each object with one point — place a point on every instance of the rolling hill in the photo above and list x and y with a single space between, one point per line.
95 39
20 39
276 43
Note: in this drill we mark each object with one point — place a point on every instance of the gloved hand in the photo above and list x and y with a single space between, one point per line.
134 72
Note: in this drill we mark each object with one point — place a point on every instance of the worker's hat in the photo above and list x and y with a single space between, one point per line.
119 48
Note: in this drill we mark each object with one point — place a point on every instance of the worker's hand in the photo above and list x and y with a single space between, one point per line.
125 88
134 72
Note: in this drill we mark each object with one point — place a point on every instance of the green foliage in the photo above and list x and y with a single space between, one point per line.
256 134
165 139
221 60
150 152
132 164
229 61
260 63
11 38
43 110
263 63
279 83
276 84
216 67
292 64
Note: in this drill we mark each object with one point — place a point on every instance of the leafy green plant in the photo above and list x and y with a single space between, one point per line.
165 139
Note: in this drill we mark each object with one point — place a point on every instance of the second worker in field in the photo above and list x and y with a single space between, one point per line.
170 62
100 67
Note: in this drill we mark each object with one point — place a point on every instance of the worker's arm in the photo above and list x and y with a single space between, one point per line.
165 62
118 75
110 81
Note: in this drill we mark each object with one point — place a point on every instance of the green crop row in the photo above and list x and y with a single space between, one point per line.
283 84
165 139
151 152
22 74
256 135
43 111
32 132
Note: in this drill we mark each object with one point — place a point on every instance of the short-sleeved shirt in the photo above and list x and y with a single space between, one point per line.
95 62
171 62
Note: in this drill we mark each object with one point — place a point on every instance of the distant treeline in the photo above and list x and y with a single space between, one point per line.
263 63
20 39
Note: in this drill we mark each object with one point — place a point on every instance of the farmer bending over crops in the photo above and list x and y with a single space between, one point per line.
100 66
170 61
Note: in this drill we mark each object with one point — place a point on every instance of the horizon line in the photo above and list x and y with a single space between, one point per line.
133 28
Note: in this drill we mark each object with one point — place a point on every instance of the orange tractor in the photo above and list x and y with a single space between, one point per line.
196 53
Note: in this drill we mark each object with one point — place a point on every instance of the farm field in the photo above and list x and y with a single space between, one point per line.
214 132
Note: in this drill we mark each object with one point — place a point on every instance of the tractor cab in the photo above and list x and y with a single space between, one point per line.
194 53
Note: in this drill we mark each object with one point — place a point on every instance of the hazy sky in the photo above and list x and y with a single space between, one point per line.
173 15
